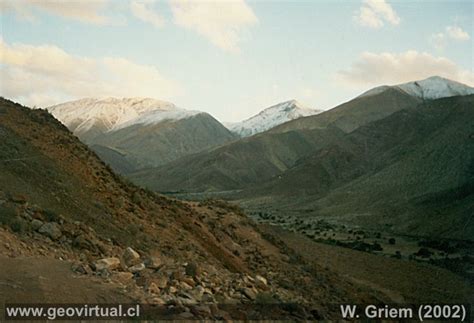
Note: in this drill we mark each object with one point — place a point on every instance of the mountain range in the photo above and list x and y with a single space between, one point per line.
136 133
380 159
291 159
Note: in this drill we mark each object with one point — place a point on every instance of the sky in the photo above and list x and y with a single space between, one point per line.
231 58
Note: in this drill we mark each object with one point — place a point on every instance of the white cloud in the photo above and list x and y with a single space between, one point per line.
455 33
373 14
142 9
45 75
373 69
87 11
221 22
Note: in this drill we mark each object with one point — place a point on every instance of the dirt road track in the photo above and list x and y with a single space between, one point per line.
42 280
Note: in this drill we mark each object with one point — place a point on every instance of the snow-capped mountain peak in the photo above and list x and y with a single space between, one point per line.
271 117
434 87
112 113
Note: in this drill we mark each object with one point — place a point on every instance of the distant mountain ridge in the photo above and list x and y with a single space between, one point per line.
134 133
434 87
92 116
246 162
271 117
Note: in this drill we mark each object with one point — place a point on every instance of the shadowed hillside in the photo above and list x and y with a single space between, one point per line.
158 144
400 159
412 171
257 159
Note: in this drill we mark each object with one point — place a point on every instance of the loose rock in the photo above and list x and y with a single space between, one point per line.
152 288
261 281
136 268
161 282
51 230
153 262
122 277
249 293
107 263
36 224
82 269
131 257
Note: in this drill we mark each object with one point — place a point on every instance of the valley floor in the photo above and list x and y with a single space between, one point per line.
394 280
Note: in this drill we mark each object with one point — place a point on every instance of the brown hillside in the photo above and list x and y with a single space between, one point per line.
48 179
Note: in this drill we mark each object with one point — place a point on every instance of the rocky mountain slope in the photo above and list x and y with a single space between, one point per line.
271 117
133 133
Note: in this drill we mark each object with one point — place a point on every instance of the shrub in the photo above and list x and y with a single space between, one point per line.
136 198
391 241
266 298
7 214
424 253
134 228
18 225
51 216
377 247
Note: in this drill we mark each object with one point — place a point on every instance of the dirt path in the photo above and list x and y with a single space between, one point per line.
42 280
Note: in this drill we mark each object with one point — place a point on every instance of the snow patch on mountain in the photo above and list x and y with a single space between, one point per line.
434 87
157 116
114 113
271 117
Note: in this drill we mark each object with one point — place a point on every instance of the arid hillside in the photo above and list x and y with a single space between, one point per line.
65 216
59 201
